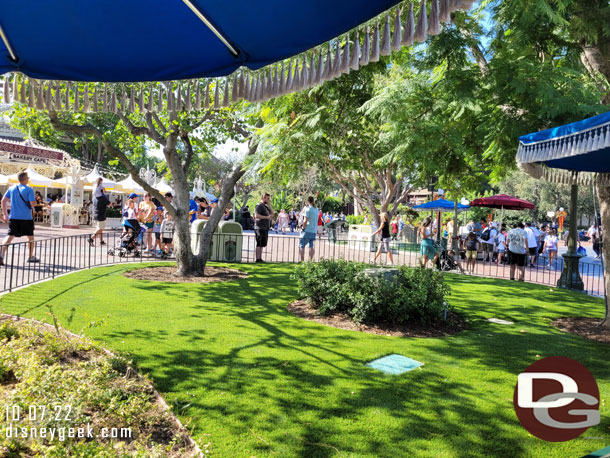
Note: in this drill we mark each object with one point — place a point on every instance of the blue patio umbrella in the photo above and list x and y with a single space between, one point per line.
440 205
576 153
77 55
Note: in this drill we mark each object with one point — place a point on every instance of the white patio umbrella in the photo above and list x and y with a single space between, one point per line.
163 187
36 179
92 178
60 183
128 185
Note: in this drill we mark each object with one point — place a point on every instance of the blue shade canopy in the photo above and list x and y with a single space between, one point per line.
159 40
582 146
440 205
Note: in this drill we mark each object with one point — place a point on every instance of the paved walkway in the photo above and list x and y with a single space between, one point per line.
66 250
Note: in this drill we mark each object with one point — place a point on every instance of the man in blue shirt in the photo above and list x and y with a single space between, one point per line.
193 210
21 222
310 228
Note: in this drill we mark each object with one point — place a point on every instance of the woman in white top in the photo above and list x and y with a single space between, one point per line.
550 245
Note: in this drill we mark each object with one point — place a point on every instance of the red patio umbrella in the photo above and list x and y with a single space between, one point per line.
502 201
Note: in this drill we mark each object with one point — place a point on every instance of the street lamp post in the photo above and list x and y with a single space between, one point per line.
570 275
440 193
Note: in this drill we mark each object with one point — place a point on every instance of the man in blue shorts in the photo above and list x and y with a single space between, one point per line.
310 228
21 223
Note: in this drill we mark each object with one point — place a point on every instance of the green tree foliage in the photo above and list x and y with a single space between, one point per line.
324 127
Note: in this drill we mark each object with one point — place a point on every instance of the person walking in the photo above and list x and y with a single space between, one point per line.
309 227
386 238
501 245
533 234
167 234
488 239
517 248
550 246
100 205
146 212
283 221
395 224
472 251
428 251
21 221
263 214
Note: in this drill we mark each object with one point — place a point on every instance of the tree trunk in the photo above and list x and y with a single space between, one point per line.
604 204
596 60
226 193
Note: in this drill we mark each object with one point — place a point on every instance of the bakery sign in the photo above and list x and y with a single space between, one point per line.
19 152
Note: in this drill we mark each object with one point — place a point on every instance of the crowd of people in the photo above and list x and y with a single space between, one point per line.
525 244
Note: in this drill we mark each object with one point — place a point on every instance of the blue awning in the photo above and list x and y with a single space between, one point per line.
159 40
582 146
69 55
440 205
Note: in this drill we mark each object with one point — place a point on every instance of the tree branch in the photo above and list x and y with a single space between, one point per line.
116 152
133 129
152 131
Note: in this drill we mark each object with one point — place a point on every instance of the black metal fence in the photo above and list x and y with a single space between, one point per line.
62 255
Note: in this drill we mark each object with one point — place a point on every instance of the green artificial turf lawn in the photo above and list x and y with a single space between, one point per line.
253 380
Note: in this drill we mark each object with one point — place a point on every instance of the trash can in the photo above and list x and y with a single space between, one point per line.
57 215
227 240
332 230
360 237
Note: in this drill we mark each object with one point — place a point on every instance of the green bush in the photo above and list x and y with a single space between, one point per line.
414 295
324 283
8 332
354 219
332 205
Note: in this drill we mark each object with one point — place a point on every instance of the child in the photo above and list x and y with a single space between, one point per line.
157 221
472 250
501 247
167 234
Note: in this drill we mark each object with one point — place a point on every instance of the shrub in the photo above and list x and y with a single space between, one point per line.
414 295
354 219
8 332
325 283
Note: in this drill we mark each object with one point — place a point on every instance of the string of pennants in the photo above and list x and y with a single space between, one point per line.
397 28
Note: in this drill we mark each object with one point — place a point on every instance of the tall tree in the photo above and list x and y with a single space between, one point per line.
324 127
179 134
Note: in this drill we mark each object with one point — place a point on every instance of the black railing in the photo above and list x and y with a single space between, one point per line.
62 255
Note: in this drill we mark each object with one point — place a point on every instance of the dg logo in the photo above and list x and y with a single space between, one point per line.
556 399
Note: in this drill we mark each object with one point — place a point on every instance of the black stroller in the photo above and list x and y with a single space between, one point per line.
128 242
446 261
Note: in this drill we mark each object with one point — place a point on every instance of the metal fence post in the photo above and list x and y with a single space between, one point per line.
10 285
54 257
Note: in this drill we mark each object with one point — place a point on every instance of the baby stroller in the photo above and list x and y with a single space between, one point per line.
446 262
128 242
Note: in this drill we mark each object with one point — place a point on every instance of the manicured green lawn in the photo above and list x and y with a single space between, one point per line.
257 381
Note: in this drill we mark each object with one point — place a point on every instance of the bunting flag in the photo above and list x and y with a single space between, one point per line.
380 36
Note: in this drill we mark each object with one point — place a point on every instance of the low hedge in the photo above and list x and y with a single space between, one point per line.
414 295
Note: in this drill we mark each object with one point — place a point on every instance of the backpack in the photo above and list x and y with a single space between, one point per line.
486 235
